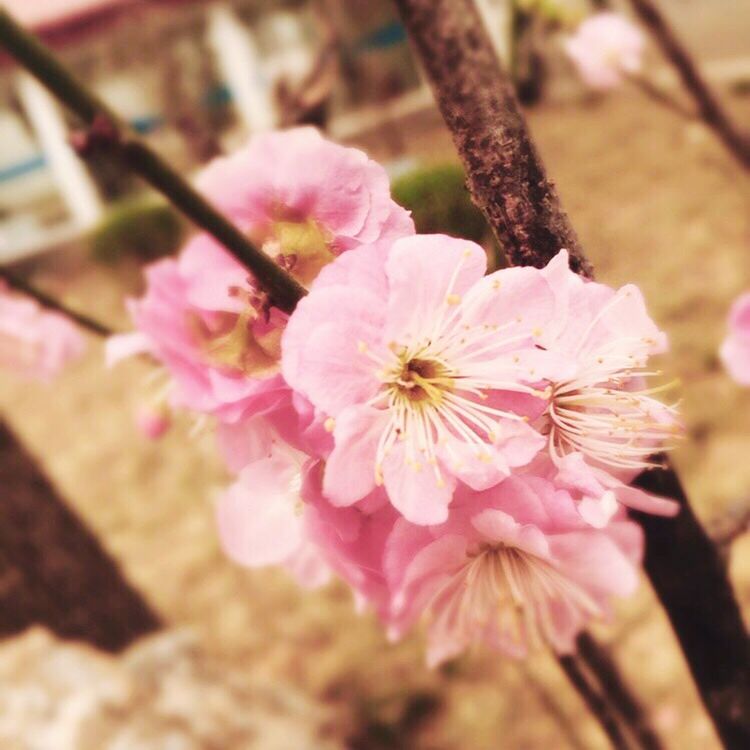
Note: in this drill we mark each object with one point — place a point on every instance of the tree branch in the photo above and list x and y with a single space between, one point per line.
657 94
45 300
108 134
504 172
612 683
508 181
709 107
595 701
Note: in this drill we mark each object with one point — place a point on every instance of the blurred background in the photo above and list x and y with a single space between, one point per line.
245 659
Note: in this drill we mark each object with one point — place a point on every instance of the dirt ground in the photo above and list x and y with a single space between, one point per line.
656 202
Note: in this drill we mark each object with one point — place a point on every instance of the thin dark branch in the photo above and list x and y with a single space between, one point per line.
709 107
595 701
109 135
568 727
508 181
51 303
613 685
660 96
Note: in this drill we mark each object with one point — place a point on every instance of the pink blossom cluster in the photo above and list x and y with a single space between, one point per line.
456 446
34 342
605 49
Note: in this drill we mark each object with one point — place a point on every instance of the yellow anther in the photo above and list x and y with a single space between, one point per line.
330 424
453 299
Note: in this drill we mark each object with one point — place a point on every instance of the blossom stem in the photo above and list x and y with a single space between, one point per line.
600 662
709 107
508 182
657 94
594 700
108 134
51 303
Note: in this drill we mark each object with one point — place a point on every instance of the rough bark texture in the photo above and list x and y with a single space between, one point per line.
504 173
709 107
52 569
507 180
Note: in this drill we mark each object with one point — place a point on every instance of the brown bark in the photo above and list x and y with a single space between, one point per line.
508 181
53 571
709 107
504 172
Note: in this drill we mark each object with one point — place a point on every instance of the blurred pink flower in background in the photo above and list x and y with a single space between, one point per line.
605 49
34 342
735 351
303 200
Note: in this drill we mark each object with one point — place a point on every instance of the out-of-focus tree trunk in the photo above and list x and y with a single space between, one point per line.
53 571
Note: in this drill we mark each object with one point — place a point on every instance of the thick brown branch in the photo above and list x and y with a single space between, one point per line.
508 182
710 108
504 173
689 575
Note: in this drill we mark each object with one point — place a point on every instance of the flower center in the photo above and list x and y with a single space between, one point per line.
615 420
300 247
510 596
422 380
243 342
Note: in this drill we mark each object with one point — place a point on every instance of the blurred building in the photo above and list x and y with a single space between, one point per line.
194 78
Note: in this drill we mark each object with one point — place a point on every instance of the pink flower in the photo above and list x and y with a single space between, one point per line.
603 408
598 493
275 514
302 199
514 567
422 364
606 48
34 342
305 198
735 351
352 540
263 521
